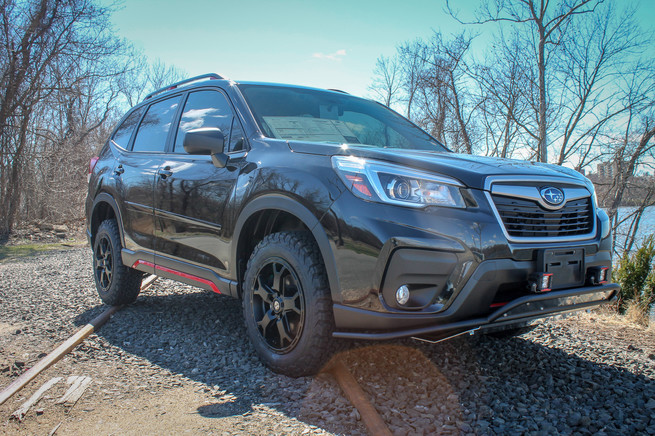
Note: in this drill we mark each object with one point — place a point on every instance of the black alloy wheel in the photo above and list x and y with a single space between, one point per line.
116 283
103 264
287 305
278 305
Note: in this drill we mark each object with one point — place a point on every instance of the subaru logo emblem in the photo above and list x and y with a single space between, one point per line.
552 196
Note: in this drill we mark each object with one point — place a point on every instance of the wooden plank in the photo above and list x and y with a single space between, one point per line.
22 410
357 397
73 383
54 430
75 391
148 281
57 354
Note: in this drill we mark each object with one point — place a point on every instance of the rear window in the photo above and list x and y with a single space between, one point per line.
153 130
124 131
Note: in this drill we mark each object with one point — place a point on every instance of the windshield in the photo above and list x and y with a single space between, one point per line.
299 114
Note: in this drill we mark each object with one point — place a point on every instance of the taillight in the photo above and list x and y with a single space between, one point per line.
92 165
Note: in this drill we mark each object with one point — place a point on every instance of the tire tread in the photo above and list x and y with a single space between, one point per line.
126 281
322 324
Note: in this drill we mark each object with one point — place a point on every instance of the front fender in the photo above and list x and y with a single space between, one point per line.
293 207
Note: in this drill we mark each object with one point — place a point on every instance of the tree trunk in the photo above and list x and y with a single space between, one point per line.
543 143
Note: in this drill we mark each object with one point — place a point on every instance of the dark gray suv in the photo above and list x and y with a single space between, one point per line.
331 216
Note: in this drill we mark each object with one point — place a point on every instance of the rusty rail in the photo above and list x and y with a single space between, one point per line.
357 397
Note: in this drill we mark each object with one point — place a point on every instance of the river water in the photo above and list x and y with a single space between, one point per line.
646 225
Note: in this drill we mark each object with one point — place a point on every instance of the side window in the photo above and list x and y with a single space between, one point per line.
237 141
154 128
204 109
124 131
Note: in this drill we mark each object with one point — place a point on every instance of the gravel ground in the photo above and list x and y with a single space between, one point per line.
179 359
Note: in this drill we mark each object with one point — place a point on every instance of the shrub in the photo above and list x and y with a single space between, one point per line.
636 275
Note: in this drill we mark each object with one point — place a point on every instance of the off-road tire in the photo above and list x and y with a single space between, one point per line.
313 344
119 284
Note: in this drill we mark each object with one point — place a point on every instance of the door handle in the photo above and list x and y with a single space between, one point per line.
119 170
166 172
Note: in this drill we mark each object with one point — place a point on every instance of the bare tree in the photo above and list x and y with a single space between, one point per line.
51 49
447 106
145 76
386 80
542 25
412 58
503 113
593 59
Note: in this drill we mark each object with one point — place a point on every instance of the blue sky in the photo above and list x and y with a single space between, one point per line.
327 44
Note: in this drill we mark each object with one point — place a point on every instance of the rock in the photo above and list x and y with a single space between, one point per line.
574 419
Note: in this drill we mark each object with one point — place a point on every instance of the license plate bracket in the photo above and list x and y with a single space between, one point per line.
565 264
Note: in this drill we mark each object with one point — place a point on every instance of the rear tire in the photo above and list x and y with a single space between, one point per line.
116 283
287 305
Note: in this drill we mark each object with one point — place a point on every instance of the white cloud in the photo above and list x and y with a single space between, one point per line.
336 56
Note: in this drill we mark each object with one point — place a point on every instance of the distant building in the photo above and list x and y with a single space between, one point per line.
607 170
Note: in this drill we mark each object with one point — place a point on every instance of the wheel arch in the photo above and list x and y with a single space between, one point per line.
105 207
259 217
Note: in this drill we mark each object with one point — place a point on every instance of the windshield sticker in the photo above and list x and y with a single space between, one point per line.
311 129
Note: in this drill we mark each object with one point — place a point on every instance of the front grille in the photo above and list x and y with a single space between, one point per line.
527 219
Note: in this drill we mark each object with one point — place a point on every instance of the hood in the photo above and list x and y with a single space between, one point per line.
469 169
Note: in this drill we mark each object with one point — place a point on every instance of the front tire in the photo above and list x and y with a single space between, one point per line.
287 306
116 283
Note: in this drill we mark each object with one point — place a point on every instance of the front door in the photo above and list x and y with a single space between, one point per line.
191 193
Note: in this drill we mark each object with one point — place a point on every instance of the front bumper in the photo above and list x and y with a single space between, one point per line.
518 311
461 271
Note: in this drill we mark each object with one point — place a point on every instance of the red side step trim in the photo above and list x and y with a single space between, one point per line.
178 273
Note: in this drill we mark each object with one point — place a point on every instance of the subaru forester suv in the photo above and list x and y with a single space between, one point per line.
331 216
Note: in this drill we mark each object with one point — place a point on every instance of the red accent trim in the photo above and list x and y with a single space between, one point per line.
498 304
143 262
178 273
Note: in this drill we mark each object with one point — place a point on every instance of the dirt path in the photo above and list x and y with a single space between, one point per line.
178 361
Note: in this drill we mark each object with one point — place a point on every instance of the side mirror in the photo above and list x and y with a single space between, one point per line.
207 140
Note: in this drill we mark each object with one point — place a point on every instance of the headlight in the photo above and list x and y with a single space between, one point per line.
388 183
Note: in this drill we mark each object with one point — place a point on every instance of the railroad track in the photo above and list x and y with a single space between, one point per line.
347 382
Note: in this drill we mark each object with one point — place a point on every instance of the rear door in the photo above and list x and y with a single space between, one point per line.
191 194
136 171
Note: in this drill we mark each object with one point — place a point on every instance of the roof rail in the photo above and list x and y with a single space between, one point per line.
210 76
337 90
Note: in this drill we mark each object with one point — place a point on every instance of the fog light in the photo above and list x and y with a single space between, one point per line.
402 295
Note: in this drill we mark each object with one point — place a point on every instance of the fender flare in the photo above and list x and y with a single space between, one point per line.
291 206
104 197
